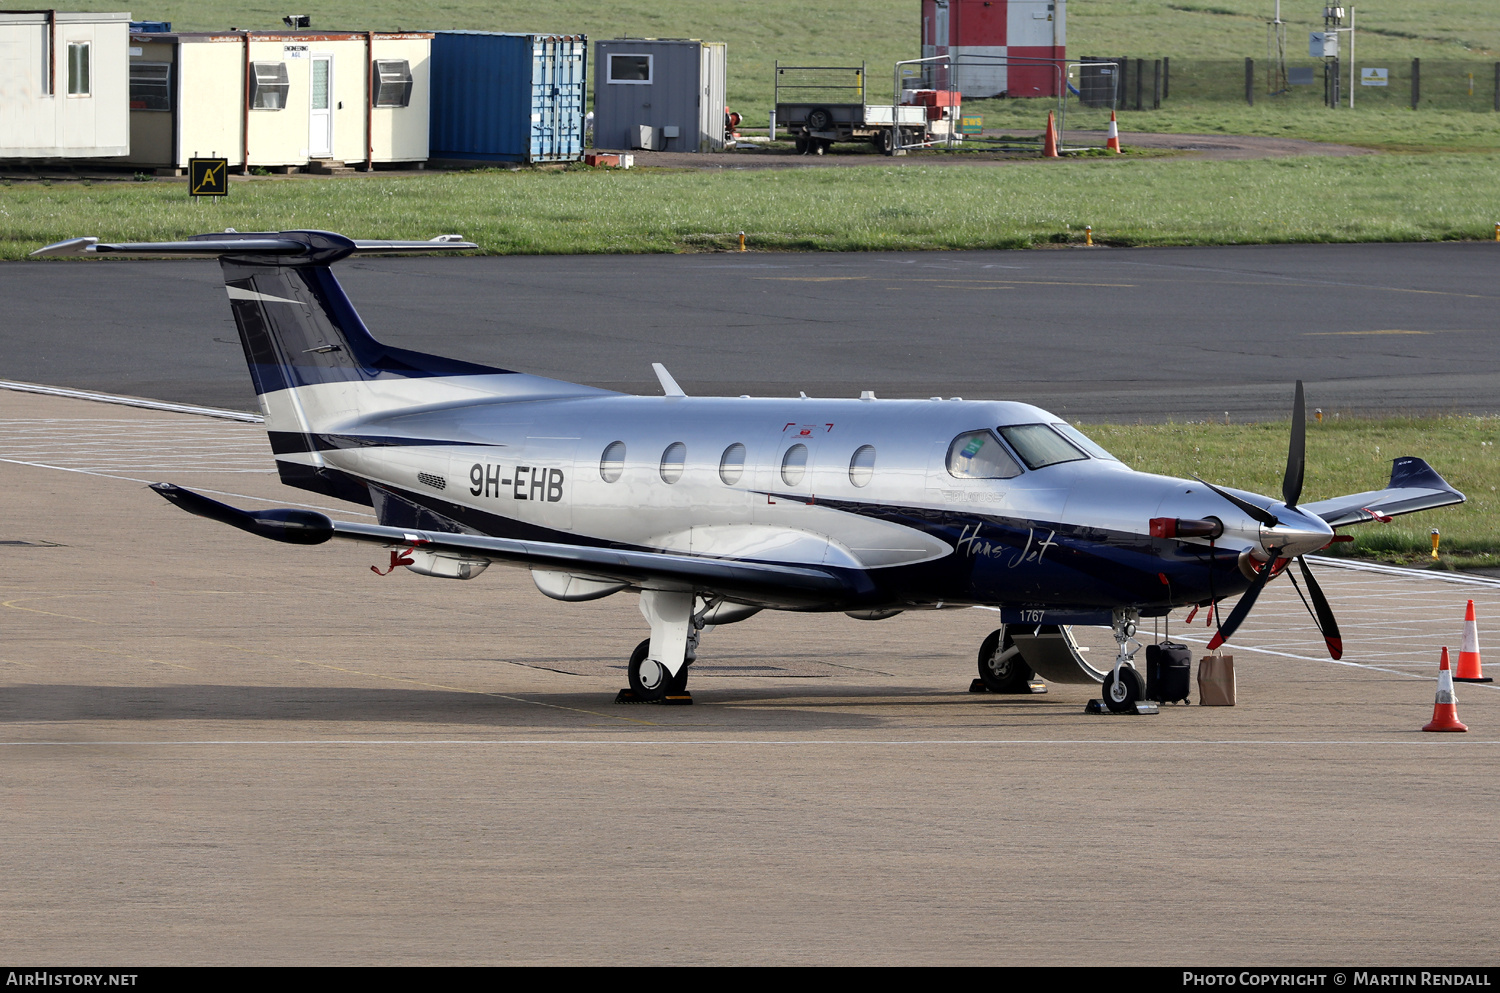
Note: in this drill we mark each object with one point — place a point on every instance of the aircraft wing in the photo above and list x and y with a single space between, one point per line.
766 584
1414 486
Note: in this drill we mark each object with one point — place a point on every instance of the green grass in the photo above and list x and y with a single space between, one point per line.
1346 455
908 207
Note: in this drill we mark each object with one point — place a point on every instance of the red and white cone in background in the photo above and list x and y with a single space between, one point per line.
1469 668
1049 143
1113 144
1445 707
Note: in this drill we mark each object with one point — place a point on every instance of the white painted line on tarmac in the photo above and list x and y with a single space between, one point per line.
175 408
1396 570
781 742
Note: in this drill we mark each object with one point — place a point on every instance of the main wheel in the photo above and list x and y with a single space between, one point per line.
1122 697
649 679
1001 668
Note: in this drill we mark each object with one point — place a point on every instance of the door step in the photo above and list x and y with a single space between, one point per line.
329 167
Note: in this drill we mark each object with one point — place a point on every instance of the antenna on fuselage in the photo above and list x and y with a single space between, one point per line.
669 385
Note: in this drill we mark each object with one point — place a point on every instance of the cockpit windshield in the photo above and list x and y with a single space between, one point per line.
1039 445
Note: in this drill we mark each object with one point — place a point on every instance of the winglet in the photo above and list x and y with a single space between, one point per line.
669 385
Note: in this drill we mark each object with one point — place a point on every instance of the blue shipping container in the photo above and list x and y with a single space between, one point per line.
508 97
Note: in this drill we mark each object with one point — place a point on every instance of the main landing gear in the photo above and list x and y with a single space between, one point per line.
658 670
1001 668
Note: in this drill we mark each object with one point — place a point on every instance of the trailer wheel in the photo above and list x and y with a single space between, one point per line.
884 141
819 119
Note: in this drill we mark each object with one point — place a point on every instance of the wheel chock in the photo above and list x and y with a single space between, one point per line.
683 699
1141 707
1033 686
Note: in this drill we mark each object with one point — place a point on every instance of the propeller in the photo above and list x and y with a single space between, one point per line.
1289 535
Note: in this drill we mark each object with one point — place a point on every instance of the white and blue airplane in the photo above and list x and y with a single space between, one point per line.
714 508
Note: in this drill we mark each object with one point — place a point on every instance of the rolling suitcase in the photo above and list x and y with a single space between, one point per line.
1169 668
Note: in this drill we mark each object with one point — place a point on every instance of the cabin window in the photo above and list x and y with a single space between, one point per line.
672 461
1083 441
862 465
732 465
268 85
979 455
635 69
392 83
794 465
150 86
612 462
1039 445
79 84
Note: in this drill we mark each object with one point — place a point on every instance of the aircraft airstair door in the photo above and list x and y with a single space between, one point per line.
1053 653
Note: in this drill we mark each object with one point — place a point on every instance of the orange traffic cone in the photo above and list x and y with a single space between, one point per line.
1049 144
1469 669
1445 707
1113 144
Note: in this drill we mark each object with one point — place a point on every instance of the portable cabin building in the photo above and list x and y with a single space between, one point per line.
1000 47
662 94
508 97
278 99
63 91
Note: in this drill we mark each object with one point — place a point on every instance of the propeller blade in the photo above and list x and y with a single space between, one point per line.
1242 609
1257 513
1296 455
1326 624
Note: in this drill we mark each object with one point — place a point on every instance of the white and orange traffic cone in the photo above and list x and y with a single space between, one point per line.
1469 668
1049 144
1113 144
1445 707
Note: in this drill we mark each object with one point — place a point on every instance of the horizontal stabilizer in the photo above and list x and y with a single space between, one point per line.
295 527
765 584
1414 486
321 247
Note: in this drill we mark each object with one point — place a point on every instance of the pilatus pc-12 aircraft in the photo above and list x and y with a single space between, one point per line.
714 508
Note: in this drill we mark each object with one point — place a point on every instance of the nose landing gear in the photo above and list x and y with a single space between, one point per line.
1124 687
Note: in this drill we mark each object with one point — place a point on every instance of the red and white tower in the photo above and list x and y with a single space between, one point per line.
1023 42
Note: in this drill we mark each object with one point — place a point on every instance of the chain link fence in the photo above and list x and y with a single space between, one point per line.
1418 84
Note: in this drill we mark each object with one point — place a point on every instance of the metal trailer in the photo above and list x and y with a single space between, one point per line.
819 105
500 97
662 94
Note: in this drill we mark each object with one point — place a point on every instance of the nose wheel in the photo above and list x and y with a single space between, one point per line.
1123 693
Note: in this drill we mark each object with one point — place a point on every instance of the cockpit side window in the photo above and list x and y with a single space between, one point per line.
1039 445
979 455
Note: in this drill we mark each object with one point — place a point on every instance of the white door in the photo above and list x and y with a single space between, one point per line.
320 119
